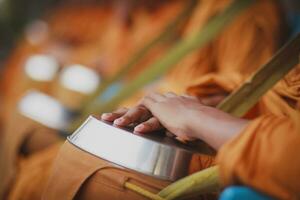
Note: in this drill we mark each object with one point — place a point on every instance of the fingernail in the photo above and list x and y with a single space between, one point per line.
181 140
106 114
118 121
139 127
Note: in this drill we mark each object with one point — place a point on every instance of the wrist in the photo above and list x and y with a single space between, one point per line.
193 126
214 126
226 131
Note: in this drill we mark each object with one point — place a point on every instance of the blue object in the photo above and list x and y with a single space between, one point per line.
111 91
242 193
294 21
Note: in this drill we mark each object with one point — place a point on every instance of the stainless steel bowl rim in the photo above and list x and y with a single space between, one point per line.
150 156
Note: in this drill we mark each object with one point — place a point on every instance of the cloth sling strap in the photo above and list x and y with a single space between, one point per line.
69 186
17 129
74 169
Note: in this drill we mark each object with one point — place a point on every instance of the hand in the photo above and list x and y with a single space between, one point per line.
147 122
213 100
184 116
138 114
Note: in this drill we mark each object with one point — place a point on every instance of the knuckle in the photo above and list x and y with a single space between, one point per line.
170 93
140 109
150 94
148 124
122 109
145 98
127 117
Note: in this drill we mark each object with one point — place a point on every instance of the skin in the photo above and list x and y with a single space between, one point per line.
184 116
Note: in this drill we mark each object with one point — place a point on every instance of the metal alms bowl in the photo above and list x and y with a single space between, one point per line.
152 154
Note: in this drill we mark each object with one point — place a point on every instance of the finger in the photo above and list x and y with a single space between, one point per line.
170 94
189 97
148 102
114 115
213 100
182 140
135 114
169 134
156 96
149 126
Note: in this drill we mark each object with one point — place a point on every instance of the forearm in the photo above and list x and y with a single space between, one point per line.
217 129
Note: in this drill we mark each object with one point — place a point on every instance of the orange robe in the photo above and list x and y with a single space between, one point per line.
225 63
265 156
35 171
60 36
64 38
242 47
246 44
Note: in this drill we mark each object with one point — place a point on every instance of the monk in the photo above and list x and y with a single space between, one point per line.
218 83
243 145
282 102
211 59
238 136
216 70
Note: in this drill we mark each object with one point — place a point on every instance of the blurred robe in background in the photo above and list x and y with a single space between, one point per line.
102 37
246 44
44 40
55 37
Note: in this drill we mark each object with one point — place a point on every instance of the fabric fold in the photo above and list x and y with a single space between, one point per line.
264 156
17 130
77 174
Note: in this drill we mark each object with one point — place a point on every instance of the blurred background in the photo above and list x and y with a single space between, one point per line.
79 54
68 49
60 59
